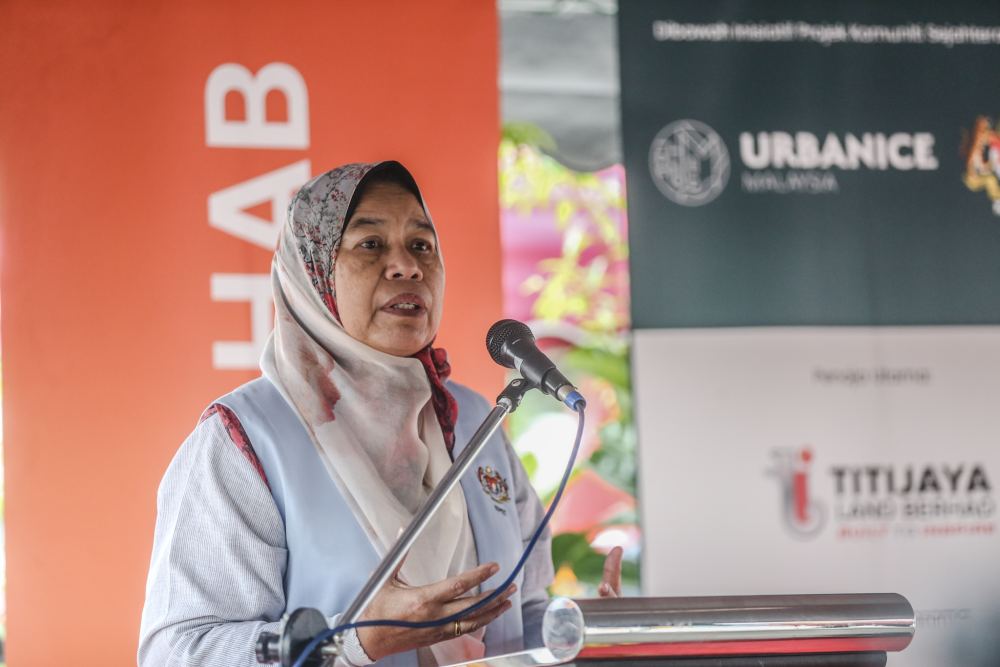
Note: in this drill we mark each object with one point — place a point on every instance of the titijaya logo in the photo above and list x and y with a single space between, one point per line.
879 501
804 516
690 163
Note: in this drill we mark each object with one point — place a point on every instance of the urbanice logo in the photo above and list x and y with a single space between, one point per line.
807 163
689 162
900 151
982 161
804 516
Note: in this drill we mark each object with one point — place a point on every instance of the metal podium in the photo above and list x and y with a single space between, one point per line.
749 631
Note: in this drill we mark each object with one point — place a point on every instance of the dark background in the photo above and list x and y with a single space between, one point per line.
891 248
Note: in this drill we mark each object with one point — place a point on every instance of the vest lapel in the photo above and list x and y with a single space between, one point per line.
495 527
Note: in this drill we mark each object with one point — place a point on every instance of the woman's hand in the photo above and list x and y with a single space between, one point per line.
611 580
398 601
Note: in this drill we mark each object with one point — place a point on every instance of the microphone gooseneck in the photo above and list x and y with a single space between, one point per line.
511 344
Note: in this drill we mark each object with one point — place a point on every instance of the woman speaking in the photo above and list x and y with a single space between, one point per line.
292 487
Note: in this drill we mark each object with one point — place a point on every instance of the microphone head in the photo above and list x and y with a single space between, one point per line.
502 332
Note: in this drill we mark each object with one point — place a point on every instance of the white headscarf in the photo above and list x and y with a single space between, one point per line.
376 419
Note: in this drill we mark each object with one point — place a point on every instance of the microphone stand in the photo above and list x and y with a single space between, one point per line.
302 625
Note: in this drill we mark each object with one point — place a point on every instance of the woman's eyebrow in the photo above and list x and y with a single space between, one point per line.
372 221
358 221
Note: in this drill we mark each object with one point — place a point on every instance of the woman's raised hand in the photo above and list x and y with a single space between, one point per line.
397 601
611 581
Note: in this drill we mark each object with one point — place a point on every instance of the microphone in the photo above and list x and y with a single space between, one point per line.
511 344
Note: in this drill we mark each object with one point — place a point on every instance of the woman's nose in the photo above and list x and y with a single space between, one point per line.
402 265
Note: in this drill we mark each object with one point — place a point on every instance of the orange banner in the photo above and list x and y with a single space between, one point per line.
147 153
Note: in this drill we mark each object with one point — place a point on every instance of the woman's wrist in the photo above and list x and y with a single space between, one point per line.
354 652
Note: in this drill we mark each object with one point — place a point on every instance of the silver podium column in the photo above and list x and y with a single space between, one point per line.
616 629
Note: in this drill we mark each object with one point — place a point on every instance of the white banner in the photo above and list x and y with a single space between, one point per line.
823 460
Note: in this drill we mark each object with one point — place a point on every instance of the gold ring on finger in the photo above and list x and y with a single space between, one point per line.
458 628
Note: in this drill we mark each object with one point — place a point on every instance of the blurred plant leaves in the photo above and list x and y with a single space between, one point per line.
528 134
583 289
587 283
574 550
608 364
530 463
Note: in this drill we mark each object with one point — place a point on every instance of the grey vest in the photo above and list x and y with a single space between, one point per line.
329 555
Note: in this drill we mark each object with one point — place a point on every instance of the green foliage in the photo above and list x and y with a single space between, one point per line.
584 290
610 362
527 134
574 550
614 460
588 209
530 463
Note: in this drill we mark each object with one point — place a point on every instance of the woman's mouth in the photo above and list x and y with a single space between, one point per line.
405 305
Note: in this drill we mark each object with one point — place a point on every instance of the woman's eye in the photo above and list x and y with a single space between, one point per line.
422 246
370 244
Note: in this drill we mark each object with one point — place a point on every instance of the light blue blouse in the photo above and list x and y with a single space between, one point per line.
230 556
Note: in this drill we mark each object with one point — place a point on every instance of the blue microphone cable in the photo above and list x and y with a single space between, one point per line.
579 406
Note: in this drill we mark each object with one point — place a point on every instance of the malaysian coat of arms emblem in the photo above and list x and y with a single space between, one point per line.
982 161
493 484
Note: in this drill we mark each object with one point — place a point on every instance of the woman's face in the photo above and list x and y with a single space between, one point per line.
388 275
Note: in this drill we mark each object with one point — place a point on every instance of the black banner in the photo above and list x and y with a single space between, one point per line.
796 163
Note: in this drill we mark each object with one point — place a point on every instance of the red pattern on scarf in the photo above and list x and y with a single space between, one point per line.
238 436
435 361
331 303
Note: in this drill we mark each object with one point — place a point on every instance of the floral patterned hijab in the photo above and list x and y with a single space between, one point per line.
383 425
318 216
